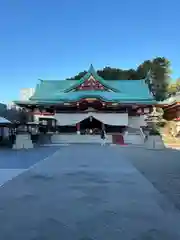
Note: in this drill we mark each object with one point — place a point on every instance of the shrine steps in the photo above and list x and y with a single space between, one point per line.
75 138
135 136
135 139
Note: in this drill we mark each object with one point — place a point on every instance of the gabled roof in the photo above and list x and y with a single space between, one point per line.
46 88
125 91
93 73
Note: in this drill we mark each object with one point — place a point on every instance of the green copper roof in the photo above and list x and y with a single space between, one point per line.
125 91
91 72
74 96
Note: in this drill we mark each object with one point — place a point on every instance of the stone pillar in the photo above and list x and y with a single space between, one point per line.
125 135
78 128
30 116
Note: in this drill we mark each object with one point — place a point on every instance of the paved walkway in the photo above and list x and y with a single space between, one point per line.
13 163
85 193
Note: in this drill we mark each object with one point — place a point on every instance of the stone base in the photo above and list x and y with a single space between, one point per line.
23 141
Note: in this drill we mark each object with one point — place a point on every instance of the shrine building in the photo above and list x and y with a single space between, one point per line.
85 106
171 107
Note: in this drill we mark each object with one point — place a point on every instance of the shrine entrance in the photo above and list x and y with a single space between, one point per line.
91 125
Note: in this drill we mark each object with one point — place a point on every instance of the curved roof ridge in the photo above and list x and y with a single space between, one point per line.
51 80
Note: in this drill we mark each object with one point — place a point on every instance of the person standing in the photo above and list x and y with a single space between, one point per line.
103 138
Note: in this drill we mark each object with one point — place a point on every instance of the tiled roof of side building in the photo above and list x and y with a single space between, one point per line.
171 100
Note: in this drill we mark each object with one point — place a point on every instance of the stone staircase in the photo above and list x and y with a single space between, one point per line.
75 138
134 137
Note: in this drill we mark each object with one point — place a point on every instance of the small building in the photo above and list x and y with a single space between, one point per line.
87 105
171 107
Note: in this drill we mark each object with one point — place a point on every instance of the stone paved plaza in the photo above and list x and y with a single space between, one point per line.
13 162
87 192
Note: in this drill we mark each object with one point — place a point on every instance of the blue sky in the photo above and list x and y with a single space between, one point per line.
55 39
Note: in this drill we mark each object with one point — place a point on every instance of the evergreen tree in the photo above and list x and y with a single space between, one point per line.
160 73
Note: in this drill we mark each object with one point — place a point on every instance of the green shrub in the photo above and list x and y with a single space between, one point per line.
161 124
154 131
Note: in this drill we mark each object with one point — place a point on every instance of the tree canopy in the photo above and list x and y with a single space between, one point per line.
173 88
158 67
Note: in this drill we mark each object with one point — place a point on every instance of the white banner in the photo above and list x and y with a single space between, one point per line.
70 119
113 119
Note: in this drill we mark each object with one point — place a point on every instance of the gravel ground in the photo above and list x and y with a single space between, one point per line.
161 168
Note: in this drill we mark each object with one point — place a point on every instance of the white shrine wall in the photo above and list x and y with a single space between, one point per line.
136 121
119 119
114 119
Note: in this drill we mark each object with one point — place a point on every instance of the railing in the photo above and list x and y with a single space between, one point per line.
142 133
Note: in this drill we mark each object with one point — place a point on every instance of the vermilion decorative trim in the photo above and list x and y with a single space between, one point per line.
91 84
44 114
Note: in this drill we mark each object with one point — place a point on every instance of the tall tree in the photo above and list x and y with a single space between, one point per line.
160 73
143 69
160 77
109 73
78 76
160 69
173 88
